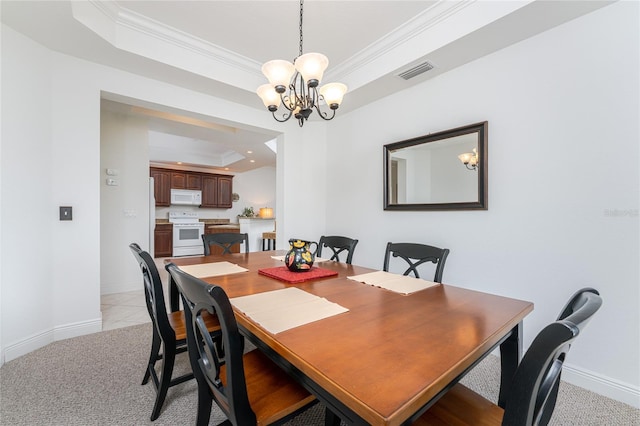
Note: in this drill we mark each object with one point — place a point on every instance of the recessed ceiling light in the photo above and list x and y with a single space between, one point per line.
249 152
179 162
252 161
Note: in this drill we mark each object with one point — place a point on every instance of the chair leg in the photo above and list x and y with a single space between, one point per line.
204 406
153 356
165 381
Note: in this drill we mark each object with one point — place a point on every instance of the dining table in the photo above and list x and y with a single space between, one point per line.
387 356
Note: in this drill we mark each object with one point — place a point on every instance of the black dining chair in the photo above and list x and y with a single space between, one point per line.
169 331
415 255
338 245
534 388
270 396
226 240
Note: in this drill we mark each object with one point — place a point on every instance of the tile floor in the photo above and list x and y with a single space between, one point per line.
125 309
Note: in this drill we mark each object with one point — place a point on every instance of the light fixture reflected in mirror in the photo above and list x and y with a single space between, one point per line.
470 159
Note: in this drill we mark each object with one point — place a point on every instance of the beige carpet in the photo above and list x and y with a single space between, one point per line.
95 380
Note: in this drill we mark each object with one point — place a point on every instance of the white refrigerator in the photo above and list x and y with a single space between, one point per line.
152 216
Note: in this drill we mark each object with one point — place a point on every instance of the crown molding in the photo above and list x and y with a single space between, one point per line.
135 33
435 27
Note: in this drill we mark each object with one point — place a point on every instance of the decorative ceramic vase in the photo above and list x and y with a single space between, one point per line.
300 258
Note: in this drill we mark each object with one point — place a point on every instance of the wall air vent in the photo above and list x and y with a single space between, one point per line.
415 71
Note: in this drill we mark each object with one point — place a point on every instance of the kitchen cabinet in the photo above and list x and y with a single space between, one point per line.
225 184
217 229
209 191
186 180
217 190
163 240
161 186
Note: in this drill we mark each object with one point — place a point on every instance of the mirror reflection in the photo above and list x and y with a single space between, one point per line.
440 171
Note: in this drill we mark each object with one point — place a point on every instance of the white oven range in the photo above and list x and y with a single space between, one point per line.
187 234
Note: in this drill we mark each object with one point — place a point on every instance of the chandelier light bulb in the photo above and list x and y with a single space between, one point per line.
279 73
311 66
333 94
270 98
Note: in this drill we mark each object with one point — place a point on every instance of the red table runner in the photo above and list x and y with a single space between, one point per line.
282 273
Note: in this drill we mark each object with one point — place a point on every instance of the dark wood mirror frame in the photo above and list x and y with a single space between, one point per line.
480 203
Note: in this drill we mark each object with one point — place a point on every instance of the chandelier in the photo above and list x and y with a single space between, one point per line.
295 86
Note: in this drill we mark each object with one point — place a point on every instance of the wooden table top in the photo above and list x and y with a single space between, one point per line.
391 353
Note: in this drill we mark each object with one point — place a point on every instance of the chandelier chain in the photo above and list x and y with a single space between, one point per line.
301 2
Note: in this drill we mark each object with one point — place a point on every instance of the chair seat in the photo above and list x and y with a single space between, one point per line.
462 406
176 319
272 394
269 235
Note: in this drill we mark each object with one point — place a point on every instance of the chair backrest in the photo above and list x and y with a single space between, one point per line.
338 245
225 240
228 386
415 255
154 295
534 388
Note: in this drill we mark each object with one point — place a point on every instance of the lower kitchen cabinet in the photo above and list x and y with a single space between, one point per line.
212 229
163 240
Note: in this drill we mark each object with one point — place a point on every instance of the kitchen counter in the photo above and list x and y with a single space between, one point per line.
254 227
228 226
216 221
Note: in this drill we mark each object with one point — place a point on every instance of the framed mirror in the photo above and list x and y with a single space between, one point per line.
440 171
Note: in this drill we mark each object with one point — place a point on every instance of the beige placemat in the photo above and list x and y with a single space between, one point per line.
402 284
214 269
316 260
280 310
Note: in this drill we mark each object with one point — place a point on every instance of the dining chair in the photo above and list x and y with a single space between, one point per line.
225 240
534 388
338 245
415 255
270 396
169 331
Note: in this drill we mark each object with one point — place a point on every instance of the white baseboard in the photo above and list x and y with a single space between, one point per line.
606 386
39 340
29 344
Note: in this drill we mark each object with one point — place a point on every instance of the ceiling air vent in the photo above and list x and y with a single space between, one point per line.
415 71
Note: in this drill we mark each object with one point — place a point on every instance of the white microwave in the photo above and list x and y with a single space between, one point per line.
186 197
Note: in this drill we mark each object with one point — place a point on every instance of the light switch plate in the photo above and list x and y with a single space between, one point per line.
65 213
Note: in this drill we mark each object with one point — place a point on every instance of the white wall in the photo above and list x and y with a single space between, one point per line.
563 139
25 271
124 208
256 188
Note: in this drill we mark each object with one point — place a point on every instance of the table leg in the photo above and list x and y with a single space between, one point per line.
510 355
330 419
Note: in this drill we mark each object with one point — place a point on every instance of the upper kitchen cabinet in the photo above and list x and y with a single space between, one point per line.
186 180
161 186
225 190
216 191
209 191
